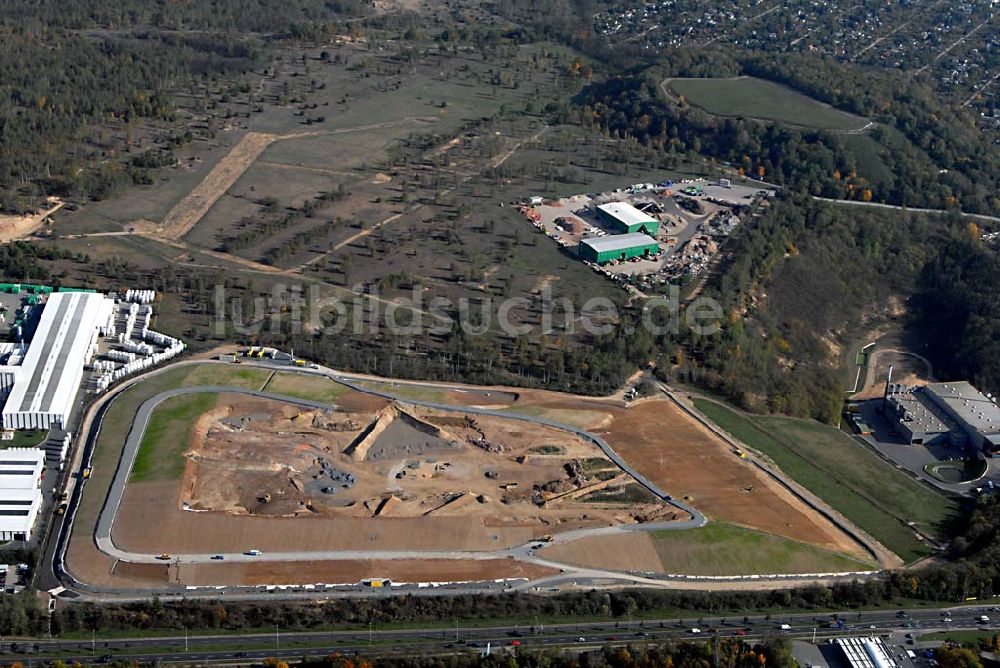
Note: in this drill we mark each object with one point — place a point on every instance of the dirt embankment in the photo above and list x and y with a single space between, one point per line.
694 464
19 227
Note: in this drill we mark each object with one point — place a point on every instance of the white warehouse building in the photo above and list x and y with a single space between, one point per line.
43 387
20 494
21 468
18 512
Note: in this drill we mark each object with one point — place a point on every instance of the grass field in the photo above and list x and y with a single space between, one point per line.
299 385
249 378
438 395
758 98
855 482
970 638
163 444
25 438
724 549
579 418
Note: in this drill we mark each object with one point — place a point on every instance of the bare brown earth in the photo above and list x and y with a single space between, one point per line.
680 455
259 476
133 571
633 551
349 571
186 213
653 434
18 227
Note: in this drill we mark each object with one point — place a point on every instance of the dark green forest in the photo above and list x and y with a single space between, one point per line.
66 100
236 16
923 162
81 78
806 277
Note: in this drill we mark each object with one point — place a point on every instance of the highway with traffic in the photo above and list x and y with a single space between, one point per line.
536 635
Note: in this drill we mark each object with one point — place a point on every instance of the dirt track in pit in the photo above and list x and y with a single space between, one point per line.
347 571
909 368
680 455
246 447
482 532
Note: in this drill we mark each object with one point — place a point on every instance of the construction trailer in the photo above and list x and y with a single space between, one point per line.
618 247
623 218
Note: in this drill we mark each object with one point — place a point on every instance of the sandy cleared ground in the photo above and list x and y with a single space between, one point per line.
683 457
18 227
271 476
340 572
907 368
196 204
632 551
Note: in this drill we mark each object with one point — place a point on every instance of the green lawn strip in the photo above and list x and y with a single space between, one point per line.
114 430
725 549
961 637
231 375
841 482
303 386
160 455
25 438
437 395
758 98
840 455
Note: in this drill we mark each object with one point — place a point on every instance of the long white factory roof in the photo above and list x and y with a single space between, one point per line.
614 242
61 341
626 213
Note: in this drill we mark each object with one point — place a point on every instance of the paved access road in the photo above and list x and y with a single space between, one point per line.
568 574
525 552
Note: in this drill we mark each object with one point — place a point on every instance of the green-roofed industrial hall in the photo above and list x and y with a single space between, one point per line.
622 217
618 247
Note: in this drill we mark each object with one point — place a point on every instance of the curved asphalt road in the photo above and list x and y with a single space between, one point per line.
526 552
105 521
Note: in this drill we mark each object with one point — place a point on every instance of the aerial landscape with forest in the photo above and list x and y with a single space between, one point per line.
490 332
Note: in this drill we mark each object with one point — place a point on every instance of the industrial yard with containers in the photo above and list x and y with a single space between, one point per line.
647 234
62 345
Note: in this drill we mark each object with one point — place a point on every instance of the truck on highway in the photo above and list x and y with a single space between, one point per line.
983 619
254 553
